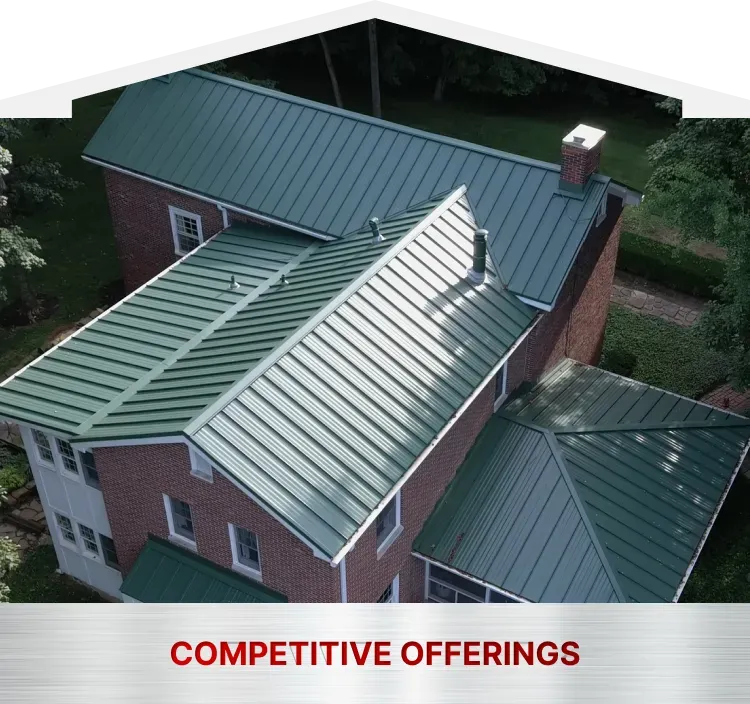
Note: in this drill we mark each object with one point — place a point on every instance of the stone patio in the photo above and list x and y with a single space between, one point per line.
30 510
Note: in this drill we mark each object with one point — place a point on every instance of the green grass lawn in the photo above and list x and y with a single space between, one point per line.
35 581
77 241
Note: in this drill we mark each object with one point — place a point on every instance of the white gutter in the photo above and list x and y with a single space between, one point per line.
425 453
471 578
710 525
221 205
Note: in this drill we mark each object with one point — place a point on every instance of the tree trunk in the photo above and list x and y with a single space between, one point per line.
374 71
439 91
331 71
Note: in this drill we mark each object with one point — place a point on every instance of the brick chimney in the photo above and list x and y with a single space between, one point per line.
581 151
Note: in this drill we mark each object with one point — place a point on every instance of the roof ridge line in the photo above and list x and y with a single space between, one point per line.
379 122
669 425
155 371
520 421
590 529
249 378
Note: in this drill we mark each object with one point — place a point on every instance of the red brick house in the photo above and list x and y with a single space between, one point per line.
330 319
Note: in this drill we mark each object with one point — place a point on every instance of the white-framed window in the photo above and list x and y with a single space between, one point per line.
109 552
90 475
200 467
65 528
245 551
88 538
67 456
187 230
390 595
180 520
501 386
601 213
445 587
388 524
43 448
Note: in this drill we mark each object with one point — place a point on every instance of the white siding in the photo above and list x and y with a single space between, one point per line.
69 495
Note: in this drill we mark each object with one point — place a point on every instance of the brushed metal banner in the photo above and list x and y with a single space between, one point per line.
121 653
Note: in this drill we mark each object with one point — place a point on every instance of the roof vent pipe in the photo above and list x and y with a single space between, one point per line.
477 272
233 284
375 227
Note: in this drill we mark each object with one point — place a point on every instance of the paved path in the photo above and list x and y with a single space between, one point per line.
644 297
726 397
31 510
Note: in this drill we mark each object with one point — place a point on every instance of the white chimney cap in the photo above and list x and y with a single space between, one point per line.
585 137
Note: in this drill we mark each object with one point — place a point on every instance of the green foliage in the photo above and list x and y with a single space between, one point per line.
666 355
8 562
674 267
619 361
25 187
34 580
721 573
14 469
701 186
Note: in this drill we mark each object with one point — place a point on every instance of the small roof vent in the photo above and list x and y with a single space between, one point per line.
377 236
478 271
233 284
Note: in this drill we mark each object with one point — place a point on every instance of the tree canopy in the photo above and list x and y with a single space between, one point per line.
701 186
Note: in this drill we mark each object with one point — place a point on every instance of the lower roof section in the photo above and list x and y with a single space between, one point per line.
588 488
166 574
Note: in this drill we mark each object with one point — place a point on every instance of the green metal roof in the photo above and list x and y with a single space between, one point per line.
327 426
167 574
329 170
591 487
91 372
317 393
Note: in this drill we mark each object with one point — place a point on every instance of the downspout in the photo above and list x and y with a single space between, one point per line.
224 215
342 579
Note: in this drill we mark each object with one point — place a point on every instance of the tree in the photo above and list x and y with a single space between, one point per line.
8 558
220 68
331 70
701 186
372 33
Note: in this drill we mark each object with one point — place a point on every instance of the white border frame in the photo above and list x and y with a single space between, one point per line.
173 212
51 441
392 537
174 537
237 566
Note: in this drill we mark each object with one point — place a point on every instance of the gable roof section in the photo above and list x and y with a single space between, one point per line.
167 400
596 466
65 388
324 433
329 170
164 573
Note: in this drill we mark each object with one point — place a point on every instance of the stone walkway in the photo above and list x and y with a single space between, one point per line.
726 397
644 297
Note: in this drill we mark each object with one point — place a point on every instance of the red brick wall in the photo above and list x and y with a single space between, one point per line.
133 480
577 163
575 327
367 577
143 231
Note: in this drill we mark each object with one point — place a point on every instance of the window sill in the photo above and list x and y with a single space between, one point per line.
392 538
183 542
247 572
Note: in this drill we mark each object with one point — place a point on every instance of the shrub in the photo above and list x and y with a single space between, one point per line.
619 361
665 355
14 469
674 267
